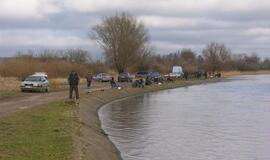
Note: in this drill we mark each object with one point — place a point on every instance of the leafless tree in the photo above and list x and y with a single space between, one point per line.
266 63
123 39
188 60
78 56
216 55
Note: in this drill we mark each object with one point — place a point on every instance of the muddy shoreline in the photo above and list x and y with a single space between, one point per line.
94 143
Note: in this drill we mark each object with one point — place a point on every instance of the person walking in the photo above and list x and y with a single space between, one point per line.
73 81
89 79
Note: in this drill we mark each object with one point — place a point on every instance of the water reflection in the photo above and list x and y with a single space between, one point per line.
227 120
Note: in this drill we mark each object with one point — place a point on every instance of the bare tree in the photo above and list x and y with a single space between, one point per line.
188 60
216 55
123 39
78 56
265 63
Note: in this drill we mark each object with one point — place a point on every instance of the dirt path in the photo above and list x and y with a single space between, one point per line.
12 105
29 100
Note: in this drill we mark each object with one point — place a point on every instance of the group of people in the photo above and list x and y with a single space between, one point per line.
201 74
73 81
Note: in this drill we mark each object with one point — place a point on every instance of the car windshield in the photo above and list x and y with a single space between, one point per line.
142 72
124 74
154 74
106 74
34 79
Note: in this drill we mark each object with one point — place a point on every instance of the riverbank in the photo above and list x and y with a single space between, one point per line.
227 74
94 143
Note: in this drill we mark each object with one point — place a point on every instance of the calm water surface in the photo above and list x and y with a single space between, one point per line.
220 121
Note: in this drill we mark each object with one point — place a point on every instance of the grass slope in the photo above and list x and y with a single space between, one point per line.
40 133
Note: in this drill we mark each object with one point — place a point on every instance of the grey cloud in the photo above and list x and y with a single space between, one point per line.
175 25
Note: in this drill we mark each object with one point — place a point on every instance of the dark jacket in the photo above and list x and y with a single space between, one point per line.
89 78
73 79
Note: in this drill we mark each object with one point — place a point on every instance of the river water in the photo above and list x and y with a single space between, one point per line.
220 121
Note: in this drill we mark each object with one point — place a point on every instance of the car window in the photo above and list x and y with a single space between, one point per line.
43 79
33 79
124 74
142 73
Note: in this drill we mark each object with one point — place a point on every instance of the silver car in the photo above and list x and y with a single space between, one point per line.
103 77
35 83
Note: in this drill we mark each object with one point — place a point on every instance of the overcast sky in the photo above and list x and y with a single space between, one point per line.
243 25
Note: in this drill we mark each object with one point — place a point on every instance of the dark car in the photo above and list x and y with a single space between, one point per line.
154 76
141 74
124 77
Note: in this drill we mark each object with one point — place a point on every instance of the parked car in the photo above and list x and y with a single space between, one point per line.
124 77
43 74
35 83
176 75
177 72
103 77
155 77
141 74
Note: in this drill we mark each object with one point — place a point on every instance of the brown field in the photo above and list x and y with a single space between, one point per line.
9 84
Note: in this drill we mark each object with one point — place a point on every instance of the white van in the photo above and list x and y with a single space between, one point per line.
177 71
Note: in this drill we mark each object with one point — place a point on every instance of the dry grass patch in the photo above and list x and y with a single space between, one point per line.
235 73
9 84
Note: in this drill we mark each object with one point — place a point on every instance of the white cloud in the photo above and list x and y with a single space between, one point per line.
258 31
243 5
21 9
174 22
93 5
46 38
168 5
172 47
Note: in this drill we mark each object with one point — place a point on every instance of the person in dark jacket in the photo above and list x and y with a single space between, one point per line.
73 81
89 79
186 75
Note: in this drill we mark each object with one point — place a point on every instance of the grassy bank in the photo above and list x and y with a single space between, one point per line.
238 73
40 133
95 144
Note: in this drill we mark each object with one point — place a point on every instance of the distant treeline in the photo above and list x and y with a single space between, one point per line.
214 56
59 63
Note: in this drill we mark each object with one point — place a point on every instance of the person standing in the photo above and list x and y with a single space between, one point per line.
73 81
89 79
186 75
